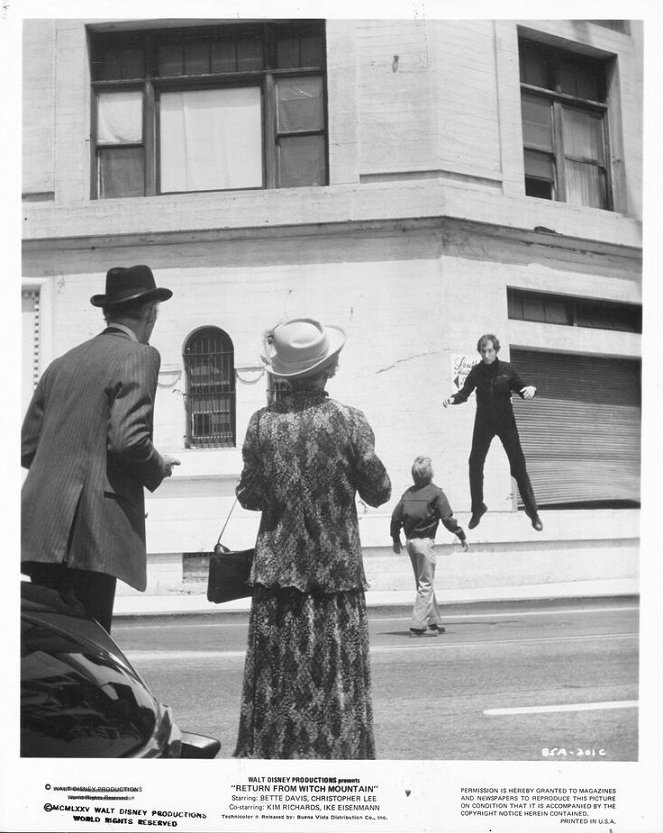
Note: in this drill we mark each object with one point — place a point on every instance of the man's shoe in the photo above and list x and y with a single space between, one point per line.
415 632
476 517
536 523
436 629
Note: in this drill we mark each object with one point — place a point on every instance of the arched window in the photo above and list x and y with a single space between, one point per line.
210 384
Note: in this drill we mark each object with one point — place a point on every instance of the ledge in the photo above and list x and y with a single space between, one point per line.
222 215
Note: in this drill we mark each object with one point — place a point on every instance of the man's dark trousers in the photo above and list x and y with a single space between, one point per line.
507 431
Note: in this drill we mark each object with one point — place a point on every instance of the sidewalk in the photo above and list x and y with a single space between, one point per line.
137 604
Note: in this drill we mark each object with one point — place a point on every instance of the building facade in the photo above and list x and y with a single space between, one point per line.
418 182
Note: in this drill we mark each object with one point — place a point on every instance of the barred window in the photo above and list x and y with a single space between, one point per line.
277 388
210 382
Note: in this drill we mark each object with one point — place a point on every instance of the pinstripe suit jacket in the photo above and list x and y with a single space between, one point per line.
87 442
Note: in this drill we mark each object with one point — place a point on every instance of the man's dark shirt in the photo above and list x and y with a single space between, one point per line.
494 384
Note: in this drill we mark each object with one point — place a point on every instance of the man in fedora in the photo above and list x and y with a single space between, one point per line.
87 444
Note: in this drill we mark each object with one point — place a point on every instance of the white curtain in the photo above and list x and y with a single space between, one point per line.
120 117
583 139
211 139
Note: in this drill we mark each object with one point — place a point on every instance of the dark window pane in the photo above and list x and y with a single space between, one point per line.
627 318
108 68
533 68
196 58
223 56
538 188
121 172
133 63
537 123
302 161
300 104
311 51
515 306
533 309
556 312
287 52
170 61
539 165
578 79
249 54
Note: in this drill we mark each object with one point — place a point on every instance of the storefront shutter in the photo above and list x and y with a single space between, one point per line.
581 433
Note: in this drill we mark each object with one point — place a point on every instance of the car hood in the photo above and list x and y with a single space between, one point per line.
80 696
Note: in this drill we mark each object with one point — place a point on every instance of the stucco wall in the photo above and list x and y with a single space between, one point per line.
411 246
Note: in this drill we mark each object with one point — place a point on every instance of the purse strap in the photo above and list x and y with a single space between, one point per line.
218 541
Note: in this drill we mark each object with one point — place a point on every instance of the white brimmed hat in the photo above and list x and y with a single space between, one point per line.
300 346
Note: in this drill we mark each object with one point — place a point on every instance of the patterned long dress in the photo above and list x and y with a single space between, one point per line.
307 687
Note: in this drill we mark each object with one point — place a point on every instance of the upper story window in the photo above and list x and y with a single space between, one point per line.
209 369
209 108
564 112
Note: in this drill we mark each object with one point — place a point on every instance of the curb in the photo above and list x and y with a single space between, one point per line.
173 604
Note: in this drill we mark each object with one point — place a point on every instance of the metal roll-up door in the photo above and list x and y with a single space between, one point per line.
581 433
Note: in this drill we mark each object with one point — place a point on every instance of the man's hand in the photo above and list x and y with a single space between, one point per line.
465 545
448 401
170 463
396 547
528 392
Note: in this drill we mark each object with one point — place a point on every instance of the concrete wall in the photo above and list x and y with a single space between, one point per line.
39 79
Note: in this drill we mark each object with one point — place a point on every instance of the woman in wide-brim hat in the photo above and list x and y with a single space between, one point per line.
306 691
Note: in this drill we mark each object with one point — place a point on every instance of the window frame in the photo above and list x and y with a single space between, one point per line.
227 439
552 59
152 85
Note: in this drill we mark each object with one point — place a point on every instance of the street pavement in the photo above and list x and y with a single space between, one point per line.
530 679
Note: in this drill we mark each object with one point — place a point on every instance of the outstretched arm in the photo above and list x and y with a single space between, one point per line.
464 393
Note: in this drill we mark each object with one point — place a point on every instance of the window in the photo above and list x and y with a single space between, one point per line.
564 113
210 389
209 109
277 389
574 312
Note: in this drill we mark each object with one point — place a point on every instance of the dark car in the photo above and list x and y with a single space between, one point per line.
82 698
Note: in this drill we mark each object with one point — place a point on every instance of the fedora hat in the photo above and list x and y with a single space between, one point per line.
300 346
125 284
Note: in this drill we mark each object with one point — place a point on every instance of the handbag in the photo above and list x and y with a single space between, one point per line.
229 571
